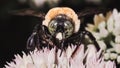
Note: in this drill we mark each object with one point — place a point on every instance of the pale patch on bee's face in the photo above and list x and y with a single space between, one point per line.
59 36
62 10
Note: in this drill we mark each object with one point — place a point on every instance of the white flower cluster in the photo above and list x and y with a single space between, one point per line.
51 59
40 3
107 32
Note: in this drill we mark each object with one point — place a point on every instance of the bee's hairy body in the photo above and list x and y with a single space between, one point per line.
60 28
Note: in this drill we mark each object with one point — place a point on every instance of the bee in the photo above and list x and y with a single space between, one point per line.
59 28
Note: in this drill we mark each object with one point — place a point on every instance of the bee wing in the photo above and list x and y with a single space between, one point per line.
28 12
31 42
91 12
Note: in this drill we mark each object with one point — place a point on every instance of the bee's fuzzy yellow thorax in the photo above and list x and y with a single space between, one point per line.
62 10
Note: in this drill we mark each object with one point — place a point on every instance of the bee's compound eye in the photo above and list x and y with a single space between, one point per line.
69 28
52 26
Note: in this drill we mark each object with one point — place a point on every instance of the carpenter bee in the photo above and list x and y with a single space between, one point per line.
60 28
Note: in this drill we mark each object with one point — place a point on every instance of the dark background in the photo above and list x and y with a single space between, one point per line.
14 30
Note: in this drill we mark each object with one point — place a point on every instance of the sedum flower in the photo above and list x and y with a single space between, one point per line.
97 19
45 58
106 30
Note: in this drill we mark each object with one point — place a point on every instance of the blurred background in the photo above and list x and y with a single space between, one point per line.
14 29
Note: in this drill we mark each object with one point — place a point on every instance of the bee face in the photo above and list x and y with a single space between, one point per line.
62 22
61 26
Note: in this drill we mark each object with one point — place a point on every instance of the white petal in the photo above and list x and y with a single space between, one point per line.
110 64
117 39
117 48
79 55
102 25
118 59
91 52
102 29
110 24
96 35
70 50
103 32
37 3
51 58
107 56
116 31
102 45
110 50
115 11
113 56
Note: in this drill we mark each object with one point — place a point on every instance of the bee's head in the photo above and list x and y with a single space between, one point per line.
61 26
62 22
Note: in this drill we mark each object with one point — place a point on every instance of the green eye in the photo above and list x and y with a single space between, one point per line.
52 26
68 26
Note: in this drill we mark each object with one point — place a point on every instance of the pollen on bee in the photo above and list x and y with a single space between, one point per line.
59 36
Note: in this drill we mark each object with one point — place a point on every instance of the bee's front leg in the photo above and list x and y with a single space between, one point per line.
93 39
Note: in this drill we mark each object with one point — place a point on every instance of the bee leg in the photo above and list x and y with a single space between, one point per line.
79 41
81 36
92 38
47 37
85 32
62 47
